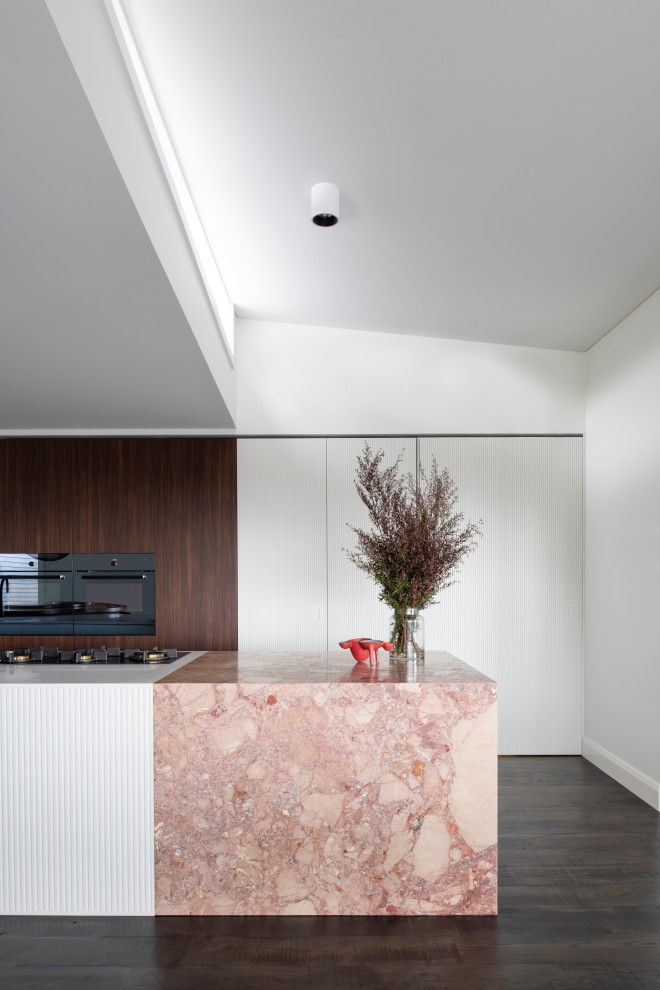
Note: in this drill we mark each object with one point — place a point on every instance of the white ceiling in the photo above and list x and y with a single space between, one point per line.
498 162
92 336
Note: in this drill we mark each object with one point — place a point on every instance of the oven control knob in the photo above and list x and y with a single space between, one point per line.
113 562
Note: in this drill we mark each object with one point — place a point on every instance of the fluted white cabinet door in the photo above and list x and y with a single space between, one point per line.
76 799
282 559
516 611
353 605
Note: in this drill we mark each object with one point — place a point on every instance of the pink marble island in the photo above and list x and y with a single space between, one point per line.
289 784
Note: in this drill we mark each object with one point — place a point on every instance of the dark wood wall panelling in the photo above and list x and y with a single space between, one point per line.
35 496
113 496
196 523
176 498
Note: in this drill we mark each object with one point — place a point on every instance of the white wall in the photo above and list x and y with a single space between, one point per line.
319 380
622 672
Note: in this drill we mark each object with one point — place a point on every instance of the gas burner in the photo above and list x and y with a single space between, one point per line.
91 655
21 654
156 655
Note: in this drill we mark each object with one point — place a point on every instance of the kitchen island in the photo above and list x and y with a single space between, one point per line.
304 784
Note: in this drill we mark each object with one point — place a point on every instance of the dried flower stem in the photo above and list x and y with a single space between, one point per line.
418 541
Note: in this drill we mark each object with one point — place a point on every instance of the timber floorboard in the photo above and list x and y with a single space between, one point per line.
579 902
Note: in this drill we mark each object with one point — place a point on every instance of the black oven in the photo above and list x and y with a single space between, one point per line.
84 594
36 594
119 591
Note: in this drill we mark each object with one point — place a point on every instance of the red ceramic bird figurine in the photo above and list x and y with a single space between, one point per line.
364 649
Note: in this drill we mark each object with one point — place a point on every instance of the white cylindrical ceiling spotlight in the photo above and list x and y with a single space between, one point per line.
325 204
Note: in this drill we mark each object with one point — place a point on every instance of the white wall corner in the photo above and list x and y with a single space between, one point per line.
634 780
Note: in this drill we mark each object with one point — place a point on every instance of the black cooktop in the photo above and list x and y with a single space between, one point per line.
92 655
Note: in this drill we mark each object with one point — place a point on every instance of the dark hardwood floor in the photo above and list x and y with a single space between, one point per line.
579 907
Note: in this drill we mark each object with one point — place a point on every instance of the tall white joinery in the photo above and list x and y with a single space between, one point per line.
516 611
282 558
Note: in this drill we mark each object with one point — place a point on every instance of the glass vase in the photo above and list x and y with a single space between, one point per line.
407 634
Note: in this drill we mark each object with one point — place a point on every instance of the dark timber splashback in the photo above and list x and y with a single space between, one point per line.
176 498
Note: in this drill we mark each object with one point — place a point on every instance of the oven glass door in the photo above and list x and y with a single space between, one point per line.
117 603
36 594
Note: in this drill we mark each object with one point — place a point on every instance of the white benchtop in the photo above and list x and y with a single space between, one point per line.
93 673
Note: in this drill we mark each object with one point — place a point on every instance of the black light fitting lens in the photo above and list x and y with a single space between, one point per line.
324 219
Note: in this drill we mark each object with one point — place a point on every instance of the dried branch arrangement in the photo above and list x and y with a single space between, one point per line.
418 540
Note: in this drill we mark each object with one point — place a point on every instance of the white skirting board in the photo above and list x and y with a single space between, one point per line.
644 787
76 799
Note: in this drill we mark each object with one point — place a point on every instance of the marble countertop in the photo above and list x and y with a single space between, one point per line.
15 673
335 667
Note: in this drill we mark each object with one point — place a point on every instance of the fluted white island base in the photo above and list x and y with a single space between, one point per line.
76 799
